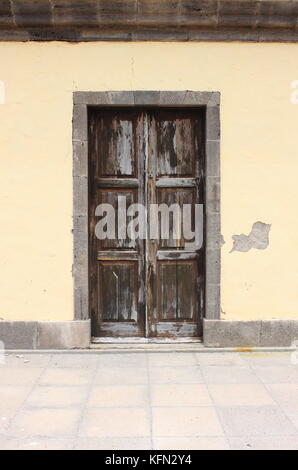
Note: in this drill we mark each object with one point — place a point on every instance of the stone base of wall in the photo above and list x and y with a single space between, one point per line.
45 335
260 333
217 333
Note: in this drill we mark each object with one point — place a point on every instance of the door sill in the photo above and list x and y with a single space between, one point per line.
137 340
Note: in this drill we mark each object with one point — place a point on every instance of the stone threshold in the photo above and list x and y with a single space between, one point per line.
142 340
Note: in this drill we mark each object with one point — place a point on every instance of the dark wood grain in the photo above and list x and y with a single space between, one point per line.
175 175
151 156
116 265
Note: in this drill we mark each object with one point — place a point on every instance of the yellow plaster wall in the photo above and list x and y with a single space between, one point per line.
259 163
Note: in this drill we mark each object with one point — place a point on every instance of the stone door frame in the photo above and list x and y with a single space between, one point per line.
81 102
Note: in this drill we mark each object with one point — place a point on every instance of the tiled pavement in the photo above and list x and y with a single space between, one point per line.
149 400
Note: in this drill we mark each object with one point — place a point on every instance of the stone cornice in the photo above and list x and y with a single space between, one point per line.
149 20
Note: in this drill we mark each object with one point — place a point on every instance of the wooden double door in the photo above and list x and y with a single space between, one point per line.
146 285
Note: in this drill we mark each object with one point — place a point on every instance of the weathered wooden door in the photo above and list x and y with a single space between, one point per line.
146 286
117 269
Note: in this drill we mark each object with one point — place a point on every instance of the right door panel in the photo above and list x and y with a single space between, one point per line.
175 177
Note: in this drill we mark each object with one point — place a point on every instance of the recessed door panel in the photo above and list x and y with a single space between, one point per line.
116 144
172 202
111 197
117 288
176 145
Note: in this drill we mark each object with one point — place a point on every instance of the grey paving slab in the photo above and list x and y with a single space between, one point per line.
121 376
185 422
70 376
20 376
180 395
220 359
171 359
175 375
127 360
272 374
114 443
56 397
26 361
285 394
149 400
256 421
36 443
45 422
191 443
292 413
12 397
269 443
224 374
119 396
73 361
5 419
260 359
115 422
240 395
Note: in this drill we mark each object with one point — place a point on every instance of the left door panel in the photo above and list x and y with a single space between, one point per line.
116 263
